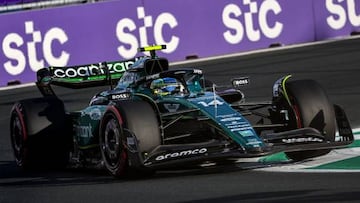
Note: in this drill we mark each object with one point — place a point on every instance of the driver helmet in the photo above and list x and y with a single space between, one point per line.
166 86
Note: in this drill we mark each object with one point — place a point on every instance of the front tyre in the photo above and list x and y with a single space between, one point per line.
310 107
112 143
136 117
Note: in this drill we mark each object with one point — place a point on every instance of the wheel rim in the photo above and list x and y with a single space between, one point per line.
17 139
112 144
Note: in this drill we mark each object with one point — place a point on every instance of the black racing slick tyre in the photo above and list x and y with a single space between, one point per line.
40 134
137 117
310 107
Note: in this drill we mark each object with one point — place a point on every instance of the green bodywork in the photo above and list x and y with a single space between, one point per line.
209 105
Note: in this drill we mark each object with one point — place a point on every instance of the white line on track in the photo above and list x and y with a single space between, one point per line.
17 86
333 156
301 170
357 132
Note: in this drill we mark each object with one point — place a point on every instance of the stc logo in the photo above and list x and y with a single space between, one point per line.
126 33
15 49
237 29
340 15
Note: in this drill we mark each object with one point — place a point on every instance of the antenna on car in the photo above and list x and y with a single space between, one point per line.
104 67
215 104
152 49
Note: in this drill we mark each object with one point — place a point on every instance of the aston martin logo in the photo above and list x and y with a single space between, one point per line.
172 107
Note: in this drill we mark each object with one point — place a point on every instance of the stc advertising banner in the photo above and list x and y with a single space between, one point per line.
334 18
229 26
113 30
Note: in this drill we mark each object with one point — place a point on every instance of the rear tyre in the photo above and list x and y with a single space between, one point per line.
40 134
310 108
139 118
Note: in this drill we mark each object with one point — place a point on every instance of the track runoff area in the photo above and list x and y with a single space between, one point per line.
346 159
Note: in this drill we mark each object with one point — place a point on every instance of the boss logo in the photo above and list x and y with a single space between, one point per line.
237 82
120 96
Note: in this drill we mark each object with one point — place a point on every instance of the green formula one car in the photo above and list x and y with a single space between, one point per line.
151 117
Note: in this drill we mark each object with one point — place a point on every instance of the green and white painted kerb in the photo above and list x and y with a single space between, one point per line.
340 160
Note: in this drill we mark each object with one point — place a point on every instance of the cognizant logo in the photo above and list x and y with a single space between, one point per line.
238 29
92 69
341 12
127 30
36 51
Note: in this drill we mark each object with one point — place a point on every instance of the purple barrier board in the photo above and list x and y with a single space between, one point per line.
231 26
60 37
336 18
113 30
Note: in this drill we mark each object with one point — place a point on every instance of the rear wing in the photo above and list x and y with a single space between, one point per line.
83 76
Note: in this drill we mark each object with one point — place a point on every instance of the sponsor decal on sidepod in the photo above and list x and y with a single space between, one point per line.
181 154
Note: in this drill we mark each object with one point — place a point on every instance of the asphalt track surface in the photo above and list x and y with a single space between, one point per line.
334 65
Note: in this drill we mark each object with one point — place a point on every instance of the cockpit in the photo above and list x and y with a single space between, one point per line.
167 86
